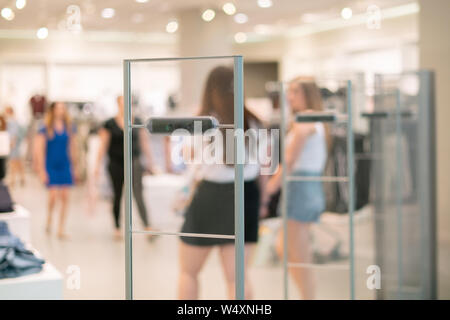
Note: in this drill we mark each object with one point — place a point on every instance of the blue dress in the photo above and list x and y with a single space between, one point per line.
57 158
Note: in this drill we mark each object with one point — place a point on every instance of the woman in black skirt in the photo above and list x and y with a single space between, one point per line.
211 210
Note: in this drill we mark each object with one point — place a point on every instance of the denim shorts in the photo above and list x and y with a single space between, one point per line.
305 199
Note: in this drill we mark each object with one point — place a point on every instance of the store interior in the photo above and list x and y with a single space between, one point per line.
360 53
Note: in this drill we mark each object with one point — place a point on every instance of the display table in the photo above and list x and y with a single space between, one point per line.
46 285
18 222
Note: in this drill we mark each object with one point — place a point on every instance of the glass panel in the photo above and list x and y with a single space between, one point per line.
328 283
191 190
187 176
165 268
317 195
403 196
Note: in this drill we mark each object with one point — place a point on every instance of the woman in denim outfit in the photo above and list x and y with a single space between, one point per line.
306 154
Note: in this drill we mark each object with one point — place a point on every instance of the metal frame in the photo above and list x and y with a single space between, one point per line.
348 119
239 174
425 193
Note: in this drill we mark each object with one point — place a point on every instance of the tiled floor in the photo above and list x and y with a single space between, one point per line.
101 260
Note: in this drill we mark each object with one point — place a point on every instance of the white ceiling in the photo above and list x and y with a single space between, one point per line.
156 13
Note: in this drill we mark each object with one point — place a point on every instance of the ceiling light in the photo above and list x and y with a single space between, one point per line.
229 8
42 33
240 37
172 26
108 13
20 4
241 18
346 13
208 15
8 14
141 1
265 3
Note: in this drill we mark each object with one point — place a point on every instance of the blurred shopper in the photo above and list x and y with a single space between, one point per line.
306 155
56 153
111 141
211 210
16 134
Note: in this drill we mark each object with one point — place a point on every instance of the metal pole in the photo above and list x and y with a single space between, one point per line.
239 156
128 182
284 189
399 193
351 185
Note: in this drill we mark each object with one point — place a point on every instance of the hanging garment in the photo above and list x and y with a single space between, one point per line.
38 103
396 153
15 259
337 192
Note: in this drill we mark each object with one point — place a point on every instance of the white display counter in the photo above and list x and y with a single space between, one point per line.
45 285
18 223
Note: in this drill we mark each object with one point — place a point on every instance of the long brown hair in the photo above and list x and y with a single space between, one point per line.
218 99
313 100
2 123
50 120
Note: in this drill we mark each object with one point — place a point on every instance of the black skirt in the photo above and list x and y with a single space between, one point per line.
212 211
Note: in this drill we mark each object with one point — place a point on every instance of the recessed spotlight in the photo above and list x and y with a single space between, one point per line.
265 3
240 37
172 26
42 33
346 13
20 4
8 14
141 1
241 18
108 13
208 15
229 8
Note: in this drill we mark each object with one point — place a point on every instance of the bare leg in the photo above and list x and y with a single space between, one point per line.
192 259
299 251
21 171
64 196
12 172
52 194
227 255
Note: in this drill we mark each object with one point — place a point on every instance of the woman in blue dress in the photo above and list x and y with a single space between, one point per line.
56 154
